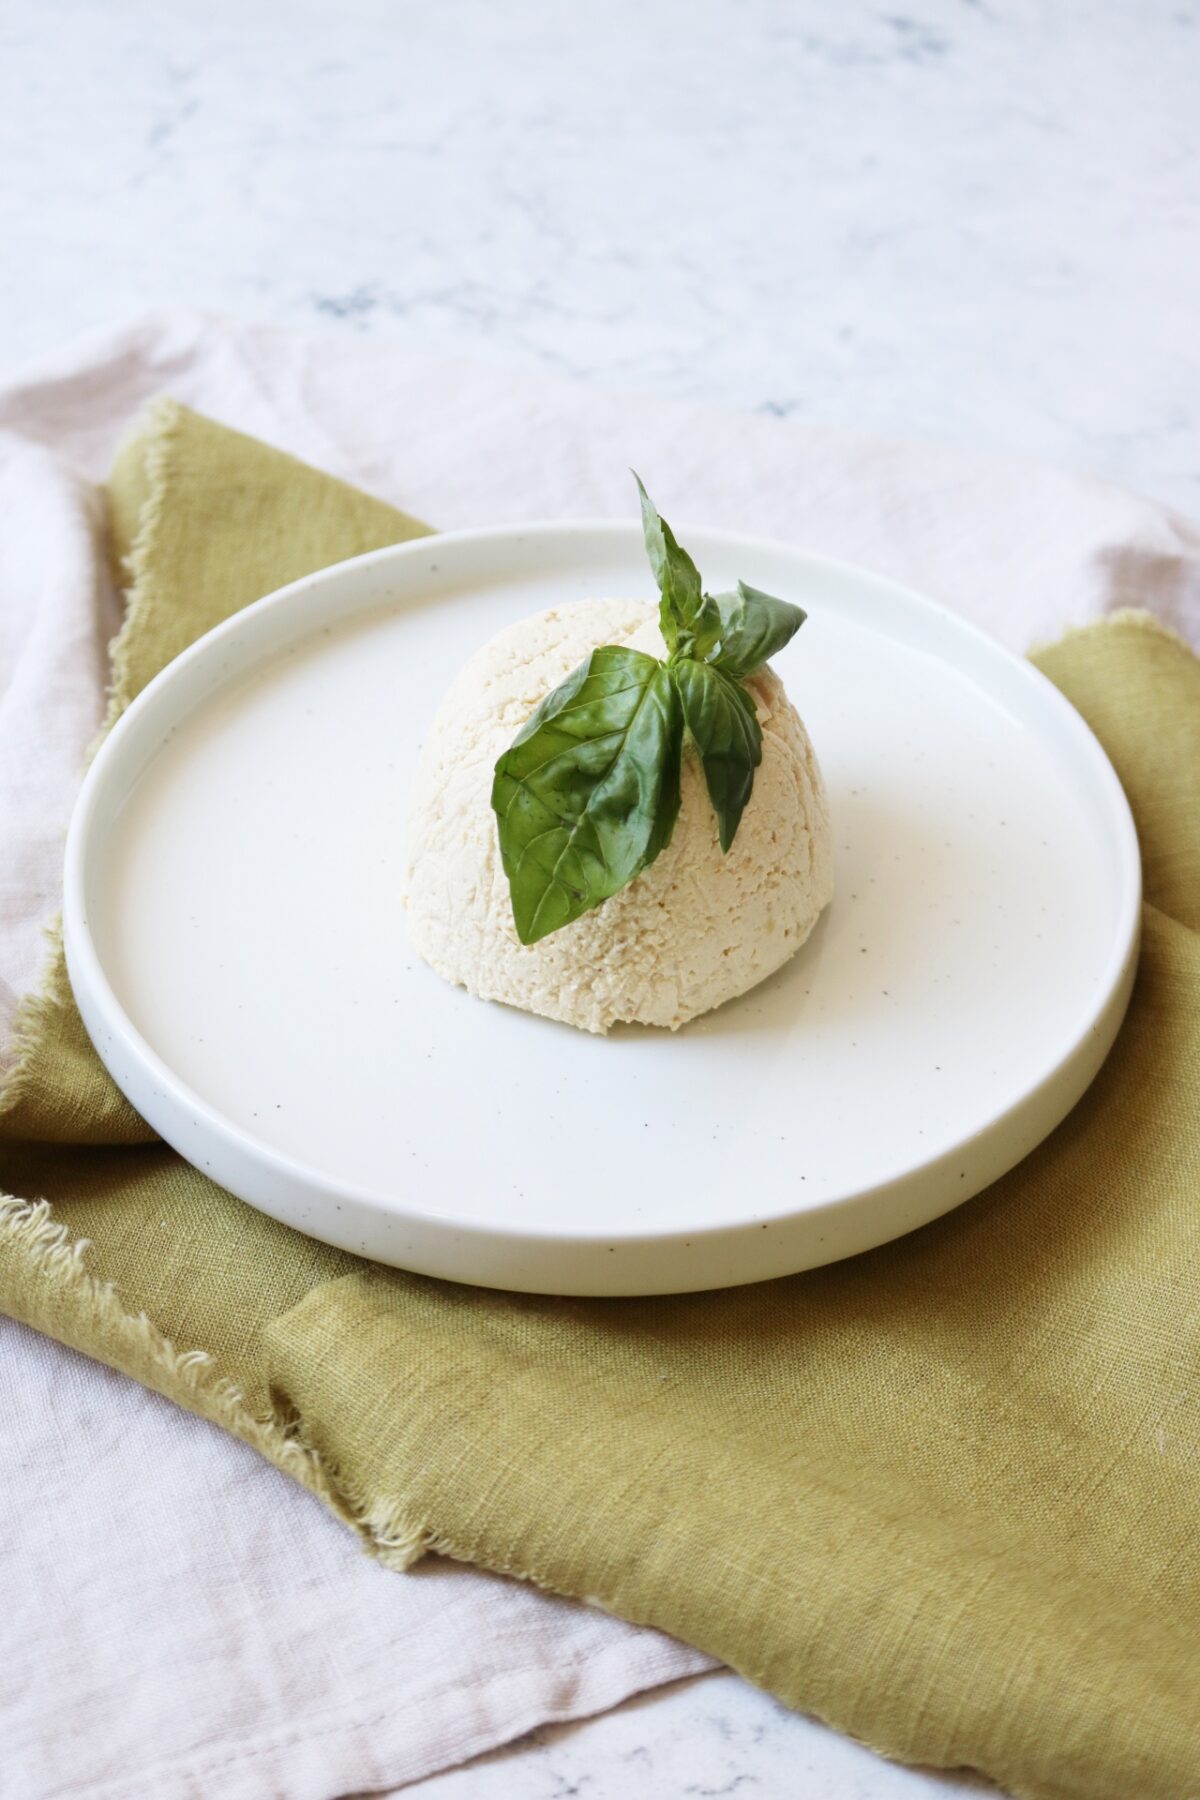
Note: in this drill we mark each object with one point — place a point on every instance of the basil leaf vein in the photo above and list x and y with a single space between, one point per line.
587 795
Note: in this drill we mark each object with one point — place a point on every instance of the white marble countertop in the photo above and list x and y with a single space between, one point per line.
969 219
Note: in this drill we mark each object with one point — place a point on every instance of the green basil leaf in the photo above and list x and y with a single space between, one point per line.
676 574
703 635
588 794
720 715
754 628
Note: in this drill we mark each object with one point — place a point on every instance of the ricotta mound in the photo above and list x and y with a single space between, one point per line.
693 930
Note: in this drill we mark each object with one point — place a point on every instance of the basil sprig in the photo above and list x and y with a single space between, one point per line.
587 794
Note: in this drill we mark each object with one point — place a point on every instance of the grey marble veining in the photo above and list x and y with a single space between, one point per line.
971 219
698 1740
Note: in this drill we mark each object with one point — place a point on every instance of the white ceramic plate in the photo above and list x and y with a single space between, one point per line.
237 947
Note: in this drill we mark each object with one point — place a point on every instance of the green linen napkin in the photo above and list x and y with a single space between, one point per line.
945 1496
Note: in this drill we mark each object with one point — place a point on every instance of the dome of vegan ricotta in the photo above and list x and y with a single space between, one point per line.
694 929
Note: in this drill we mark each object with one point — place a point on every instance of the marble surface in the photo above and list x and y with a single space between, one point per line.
969 219
706 1738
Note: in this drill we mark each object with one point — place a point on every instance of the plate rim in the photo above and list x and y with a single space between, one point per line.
109 1025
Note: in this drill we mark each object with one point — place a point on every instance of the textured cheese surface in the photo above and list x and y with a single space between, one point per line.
693 930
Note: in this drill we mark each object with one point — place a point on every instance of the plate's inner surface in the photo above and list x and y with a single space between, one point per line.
248 915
